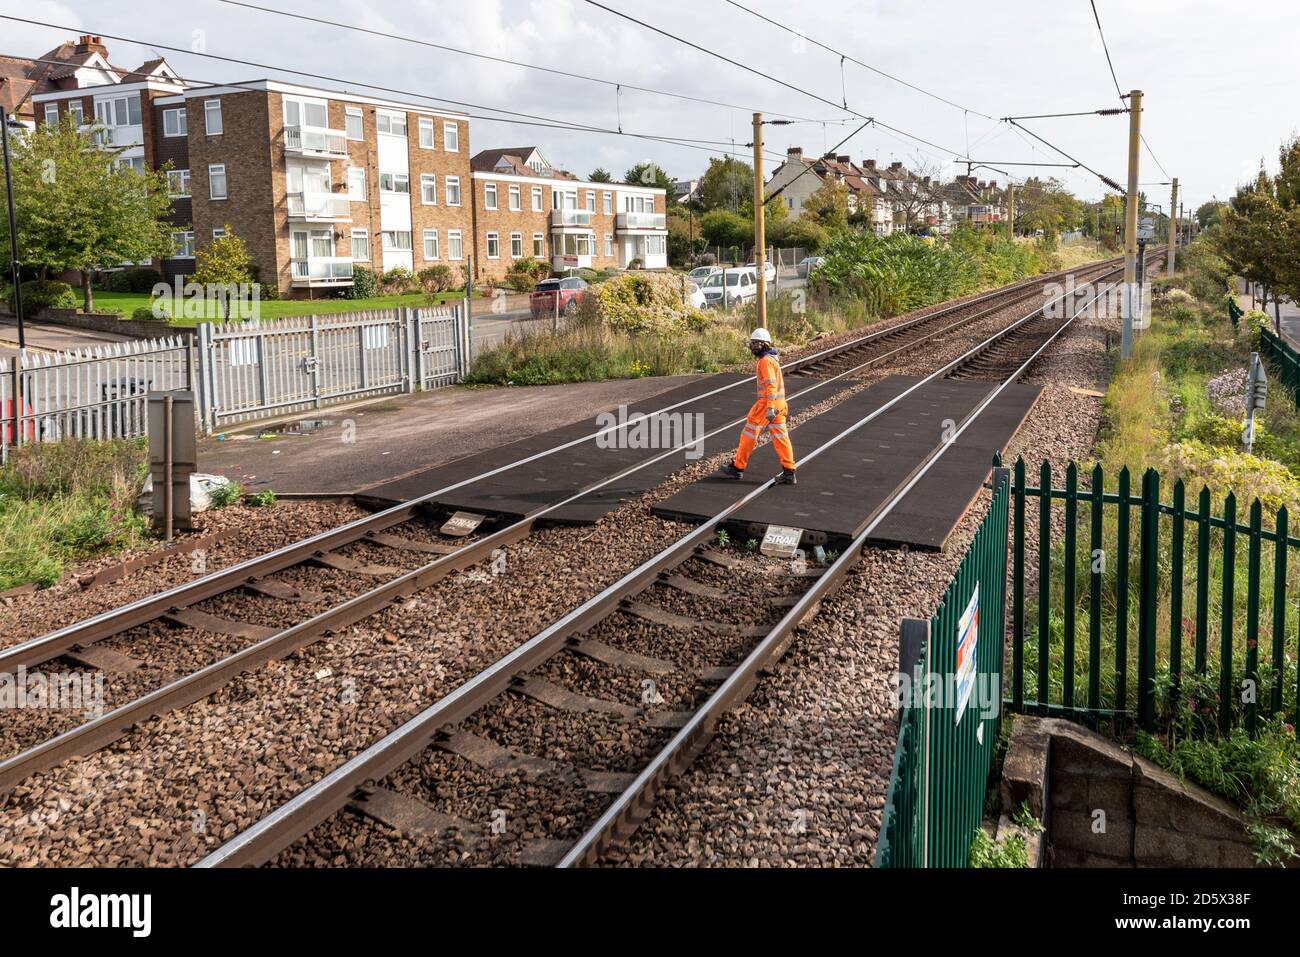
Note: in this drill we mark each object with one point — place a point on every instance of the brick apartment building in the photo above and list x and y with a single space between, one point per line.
318 182
524 207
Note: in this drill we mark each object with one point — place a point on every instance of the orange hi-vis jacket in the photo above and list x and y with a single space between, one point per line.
771 387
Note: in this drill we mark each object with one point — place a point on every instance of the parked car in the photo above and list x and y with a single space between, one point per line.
769 269
570 293
701 273
808 264
741 286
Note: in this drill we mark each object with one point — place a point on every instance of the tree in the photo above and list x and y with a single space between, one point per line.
1252 234
727 184
919 194
1207 214
600 175
828 206
1046 205
223 262
649 174
78 209
721 227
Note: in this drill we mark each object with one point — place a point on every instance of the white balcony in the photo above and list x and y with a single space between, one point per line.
320 207
316 141
627 222
571 217
322 271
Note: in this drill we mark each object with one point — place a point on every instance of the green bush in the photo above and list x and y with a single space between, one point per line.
646 303
526 273
226 495
269 291
146 314
41 294
436 279
73 466
364 284
397 281
137 279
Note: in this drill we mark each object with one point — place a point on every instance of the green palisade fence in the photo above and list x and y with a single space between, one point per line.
1284 360
942 759
1171 593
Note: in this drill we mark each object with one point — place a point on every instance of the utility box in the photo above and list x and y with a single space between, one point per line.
173 458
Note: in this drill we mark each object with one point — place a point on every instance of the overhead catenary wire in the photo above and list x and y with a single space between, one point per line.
508 116
325 21
1119 91
843 57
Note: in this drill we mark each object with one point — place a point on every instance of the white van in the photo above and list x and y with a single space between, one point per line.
730 287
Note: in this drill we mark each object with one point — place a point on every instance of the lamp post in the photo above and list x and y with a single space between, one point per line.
13 225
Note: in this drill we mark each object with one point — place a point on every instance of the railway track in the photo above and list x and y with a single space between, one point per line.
397 552
370 563
669 604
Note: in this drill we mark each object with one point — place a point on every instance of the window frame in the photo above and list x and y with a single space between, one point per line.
365 186
538 206
437 246
225 182
517 238
429 180
514 198
183 127
207 118
455 239
354 112
185 183
454 129
422 123
490 198
189 242
450 183
359 233
539 245
492 239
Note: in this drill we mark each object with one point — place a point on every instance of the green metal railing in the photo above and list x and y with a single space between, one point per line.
1199 576
1284 360
947 735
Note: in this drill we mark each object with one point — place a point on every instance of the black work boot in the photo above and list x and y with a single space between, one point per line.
786 477
730 471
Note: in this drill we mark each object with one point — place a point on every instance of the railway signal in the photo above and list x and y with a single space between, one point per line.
1256 395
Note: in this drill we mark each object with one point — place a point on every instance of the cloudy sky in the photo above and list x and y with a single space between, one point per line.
1220 84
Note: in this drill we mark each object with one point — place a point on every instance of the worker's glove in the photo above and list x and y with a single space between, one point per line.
771 415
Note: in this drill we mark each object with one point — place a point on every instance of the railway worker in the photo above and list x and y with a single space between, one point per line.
768 412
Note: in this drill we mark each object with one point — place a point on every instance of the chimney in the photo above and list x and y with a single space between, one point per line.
925 181
88 43
794 154
896 166
870 165
843 159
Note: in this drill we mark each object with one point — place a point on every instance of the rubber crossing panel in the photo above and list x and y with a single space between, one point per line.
840 489
530 488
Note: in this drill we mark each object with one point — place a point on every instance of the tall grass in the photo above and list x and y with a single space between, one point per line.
64 502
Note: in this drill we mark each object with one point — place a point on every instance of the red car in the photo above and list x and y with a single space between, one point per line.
570 293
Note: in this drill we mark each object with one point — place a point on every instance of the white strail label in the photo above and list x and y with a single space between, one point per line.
461 524
781 541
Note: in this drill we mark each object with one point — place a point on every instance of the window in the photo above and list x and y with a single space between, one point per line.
493 246
178 182
515 204
130 162
52 114
609 245
219 233
537 199
426 133
578 244
455 245
174 122
539 245
395 239
352 125
356 184
516 245
212 117
184 245
608 200
217 181
490 196
299 112
451 137
591 201
451 189
76 112
119 110
322 243
431 244
394 183
361 245
428 189
391 123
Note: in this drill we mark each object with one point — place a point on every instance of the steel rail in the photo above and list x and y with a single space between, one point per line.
627 811
319 801
141 611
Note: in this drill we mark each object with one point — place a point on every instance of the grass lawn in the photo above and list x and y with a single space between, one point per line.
126 303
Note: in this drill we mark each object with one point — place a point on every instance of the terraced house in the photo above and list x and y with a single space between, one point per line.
524 207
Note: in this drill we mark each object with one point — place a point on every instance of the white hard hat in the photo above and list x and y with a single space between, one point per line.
760 335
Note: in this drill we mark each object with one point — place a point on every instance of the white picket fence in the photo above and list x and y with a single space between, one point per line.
238 371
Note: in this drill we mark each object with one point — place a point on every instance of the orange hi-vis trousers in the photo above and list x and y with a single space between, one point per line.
771 395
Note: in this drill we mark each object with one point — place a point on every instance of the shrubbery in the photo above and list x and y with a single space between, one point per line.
397 281
41 294
646 303
138 279
364 284
437 279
